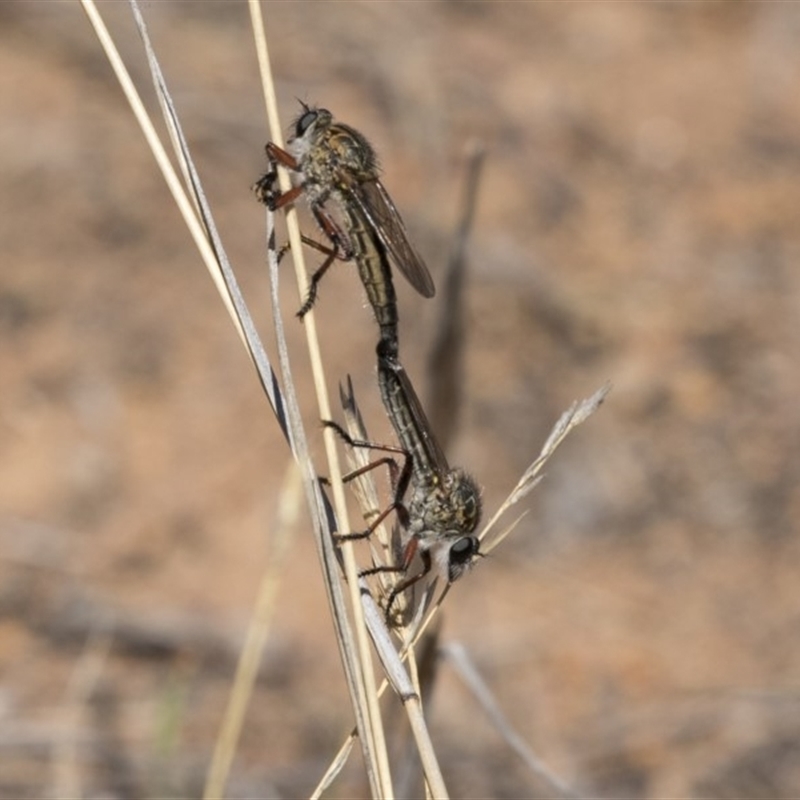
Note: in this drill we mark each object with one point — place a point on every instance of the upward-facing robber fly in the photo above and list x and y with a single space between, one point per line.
335 168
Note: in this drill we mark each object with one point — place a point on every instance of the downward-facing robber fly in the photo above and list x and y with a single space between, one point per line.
444 508
336 169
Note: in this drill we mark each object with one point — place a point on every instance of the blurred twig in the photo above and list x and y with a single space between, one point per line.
258 631
577 413
84 678
446 357
459 658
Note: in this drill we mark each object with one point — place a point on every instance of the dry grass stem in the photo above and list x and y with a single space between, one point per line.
366 708
85 677
202 229
257 634
374 622
335 767
353 642
464 667
574 416
213 255
363 486
385 546
577 413
408 694
355 651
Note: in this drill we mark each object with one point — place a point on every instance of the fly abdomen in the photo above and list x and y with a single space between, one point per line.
373 269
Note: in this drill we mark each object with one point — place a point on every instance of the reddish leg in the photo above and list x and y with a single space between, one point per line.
411 549
267 192
265 188
400 478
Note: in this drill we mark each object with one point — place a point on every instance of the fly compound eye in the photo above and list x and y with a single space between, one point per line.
464 548
305 122
461 556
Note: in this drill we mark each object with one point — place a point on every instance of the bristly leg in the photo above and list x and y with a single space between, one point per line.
400 478
331 254
265 188
407 583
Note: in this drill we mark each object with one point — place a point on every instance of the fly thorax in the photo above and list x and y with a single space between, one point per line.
422 511
464 499
353 154
434 517
428 511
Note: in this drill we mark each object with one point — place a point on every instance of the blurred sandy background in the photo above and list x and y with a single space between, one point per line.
637 222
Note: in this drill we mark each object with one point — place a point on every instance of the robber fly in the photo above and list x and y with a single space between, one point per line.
444 507
336 169
445 504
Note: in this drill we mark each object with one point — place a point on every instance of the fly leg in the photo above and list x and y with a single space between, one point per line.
400 478
265 187
340 249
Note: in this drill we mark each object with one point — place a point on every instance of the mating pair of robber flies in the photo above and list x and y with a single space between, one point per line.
334 169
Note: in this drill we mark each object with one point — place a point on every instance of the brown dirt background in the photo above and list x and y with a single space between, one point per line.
637 222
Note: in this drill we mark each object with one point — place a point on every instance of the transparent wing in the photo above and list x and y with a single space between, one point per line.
423 427
381 213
